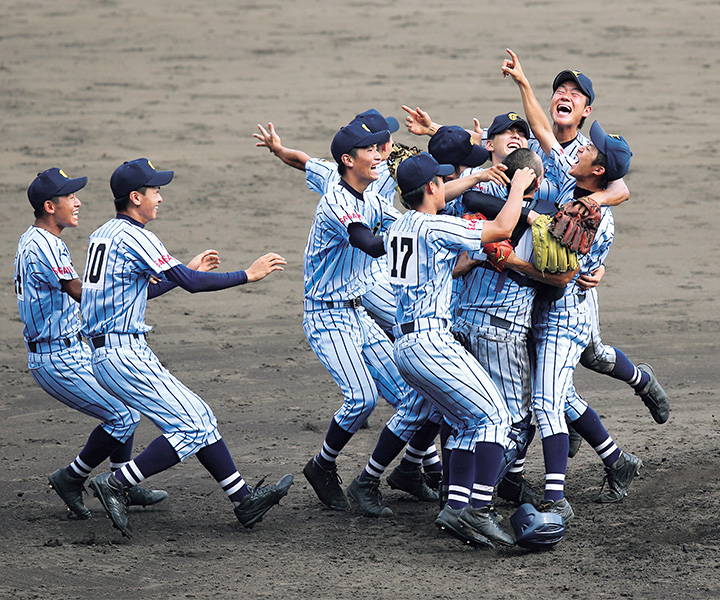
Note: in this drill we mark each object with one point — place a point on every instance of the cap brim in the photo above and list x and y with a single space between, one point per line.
381 137
72 186
392 124
598 137
160 178
445 170
477 156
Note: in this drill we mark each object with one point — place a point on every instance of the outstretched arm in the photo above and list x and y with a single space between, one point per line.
615 193
522 266
539 123
271 140
419 122
502 226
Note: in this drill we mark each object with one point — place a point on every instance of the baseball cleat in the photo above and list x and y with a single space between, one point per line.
326 483
433 479
484 521
515 488
70 489
114 500
367 496
138 496
449 521
253 507
618 478
413 482
654 396
561 507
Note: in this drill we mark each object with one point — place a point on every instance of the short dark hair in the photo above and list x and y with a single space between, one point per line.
342 168
121 204
519 159
601 160
414 198
40 211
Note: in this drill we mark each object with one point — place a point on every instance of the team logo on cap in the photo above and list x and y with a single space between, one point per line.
366 128
152 166
576 73
614 136
513 116
63 173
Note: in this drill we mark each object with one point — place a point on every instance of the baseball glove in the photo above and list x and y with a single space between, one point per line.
576 223
398 154
498 253
550 255
477 216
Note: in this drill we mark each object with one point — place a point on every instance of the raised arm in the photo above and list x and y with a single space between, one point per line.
271 140
418 122
502 226
536 118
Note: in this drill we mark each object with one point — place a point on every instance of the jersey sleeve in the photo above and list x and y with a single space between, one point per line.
149 251
321 175
458 234
51 264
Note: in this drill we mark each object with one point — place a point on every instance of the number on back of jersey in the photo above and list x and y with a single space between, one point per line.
402 258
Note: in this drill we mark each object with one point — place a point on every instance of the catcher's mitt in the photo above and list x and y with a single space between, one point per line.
576 223
498 253
398 154
477 216
549 254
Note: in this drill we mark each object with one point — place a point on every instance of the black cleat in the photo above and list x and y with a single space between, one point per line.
561 507
575 440
518 490
484 521
654 396
326 483
70 489
367 496
449 521
114 499
253 507
618 478
413 482
138 496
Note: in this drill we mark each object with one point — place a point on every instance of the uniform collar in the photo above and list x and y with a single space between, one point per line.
129 219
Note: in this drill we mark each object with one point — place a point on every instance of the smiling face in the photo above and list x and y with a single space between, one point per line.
568 105
505 142
146 204
65 210
586 166
364 164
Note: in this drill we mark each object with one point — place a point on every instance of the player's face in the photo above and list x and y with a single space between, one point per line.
365 164
506 142
67 209
386 148
585 161
149 202
568 105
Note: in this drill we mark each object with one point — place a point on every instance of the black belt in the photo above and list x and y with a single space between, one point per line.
407 327
499 322
99 341
67 342
354 303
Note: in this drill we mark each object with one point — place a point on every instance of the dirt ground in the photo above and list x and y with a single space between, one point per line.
86 85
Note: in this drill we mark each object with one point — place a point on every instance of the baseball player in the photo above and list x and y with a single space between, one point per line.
422 248
48 292
122 259
321 176
561 327
338 269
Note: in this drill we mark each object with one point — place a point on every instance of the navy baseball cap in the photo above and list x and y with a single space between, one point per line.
581 79
51 183
454 145
376 122
616 150
356 135
504 122
416 171
134 174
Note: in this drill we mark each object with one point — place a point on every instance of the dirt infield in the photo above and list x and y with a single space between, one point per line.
86 85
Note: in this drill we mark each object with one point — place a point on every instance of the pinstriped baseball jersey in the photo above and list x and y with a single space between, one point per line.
421 252
42 263
121 258
553 173
333 269
321 175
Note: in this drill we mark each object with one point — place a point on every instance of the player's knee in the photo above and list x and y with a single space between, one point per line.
600 362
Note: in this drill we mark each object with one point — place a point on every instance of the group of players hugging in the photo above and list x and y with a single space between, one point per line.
468 313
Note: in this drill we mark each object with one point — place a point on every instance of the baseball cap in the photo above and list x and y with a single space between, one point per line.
581 79
355 135
376 122
454 145
504 122
134 174
418 170
51 183
616 150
